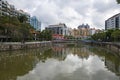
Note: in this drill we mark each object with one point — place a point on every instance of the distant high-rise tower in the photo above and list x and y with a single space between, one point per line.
35 23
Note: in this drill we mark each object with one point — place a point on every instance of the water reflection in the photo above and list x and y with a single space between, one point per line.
111 61
60 63
18 63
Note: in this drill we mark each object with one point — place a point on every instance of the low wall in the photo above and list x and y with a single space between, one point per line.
115 47
26 45
64 41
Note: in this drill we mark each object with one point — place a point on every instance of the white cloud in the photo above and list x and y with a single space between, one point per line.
72 68
71 12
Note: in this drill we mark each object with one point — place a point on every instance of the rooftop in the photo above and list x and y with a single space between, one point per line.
58 25
113 16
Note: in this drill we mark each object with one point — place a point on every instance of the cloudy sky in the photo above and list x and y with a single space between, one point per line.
71 12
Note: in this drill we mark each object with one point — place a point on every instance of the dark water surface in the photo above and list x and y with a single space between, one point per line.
60 62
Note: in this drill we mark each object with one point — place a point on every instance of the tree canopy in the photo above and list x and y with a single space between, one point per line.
118 1
14 28
45 35
109 35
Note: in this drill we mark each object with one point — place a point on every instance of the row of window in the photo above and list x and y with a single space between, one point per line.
113 23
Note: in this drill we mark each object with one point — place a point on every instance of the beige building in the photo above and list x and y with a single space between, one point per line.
75 33
81 32
84 31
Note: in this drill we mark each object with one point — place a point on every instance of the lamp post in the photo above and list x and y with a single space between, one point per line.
35 36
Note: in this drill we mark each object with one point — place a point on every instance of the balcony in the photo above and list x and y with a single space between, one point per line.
5 13
3 9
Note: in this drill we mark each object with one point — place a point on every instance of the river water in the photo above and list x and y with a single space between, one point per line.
60 62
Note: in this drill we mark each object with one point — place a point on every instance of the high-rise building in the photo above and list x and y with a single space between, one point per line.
35 23
113 22
4 7
11 9
7 9
0 7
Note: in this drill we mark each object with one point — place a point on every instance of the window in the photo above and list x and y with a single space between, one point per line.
61 31
117 22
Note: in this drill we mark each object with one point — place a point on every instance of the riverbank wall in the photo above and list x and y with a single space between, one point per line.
27 45
115 47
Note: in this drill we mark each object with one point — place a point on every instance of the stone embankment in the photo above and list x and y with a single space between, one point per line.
4 46
112 46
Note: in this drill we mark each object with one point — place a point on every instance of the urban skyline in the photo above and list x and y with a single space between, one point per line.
78 40
73 13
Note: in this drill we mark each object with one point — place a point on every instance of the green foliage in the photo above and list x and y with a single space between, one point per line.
68 37
116 35
118 1
109 35
22 18
45 35
13 28
99 36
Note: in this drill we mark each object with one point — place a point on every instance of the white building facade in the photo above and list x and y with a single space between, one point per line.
6 8
113 22
60 29
92 31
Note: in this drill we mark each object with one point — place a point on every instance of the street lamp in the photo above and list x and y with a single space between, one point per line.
35 36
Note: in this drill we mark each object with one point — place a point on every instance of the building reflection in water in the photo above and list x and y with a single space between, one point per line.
19 63
61 52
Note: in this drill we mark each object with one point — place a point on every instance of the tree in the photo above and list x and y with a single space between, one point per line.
13 28
108 34
99 36
68 37
22 18
116 35
45 35
118 1
103 36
